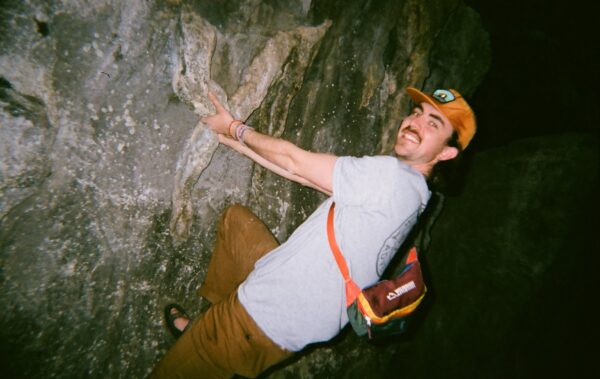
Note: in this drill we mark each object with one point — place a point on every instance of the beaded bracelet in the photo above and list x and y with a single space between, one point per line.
240 129
232 132
243 132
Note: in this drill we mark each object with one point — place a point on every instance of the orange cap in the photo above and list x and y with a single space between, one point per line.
454 107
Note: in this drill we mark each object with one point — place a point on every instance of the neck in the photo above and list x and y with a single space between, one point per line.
424 168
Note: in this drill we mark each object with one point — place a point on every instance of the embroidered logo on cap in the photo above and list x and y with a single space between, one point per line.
443 95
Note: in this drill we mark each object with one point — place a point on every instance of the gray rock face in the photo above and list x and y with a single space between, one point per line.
110 188
191 82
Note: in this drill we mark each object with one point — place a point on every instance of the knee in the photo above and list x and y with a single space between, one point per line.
235 210
235 213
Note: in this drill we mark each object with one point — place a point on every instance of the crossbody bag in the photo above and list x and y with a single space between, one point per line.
383 308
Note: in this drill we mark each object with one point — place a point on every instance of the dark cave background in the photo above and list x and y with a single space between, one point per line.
542 81
544 70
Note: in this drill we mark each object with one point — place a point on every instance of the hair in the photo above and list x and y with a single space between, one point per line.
446 175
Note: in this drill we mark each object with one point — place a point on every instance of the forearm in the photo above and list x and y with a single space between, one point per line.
275 150
316 168
283 157
268 164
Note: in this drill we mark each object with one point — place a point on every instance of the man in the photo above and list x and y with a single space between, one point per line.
269 301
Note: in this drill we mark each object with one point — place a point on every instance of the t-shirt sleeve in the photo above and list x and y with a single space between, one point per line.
360 181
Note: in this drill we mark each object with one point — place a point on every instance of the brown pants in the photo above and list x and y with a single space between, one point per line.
225 340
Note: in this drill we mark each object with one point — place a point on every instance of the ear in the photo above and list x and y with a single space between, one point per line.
447 153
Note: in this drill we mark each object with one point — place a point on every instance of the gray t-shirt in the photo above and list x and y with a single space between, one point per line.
296 292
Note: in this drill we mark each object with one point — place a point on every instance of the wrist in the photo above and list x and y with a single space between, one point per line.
240 130
232 128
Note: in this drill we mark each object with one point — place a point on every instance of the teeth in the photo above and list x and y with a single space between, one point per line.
411 136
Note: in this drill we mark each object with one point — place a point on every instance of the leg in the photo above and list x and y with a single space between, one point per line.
223 342
242 239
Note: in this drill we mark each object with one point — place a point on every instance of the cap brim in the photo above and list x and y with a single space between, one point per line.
420 97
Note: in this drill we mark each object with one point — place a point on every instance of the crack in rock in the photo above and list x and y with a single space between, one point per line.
191 82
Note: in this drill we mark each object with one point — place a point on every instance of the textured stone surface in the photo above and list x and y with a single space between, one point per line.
110 189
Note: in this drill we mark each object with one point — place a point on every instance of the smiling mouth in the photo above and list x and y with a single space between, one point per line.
411 135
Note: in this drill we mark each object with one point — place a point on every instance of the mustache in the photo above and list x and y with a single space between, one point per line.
409 127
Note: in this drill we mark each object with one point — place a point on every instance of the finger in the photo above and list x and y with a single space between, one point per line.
216 103
206 119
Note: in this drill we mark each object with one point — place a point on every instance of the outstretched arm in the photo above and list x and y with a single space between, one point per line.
316 168
280 156
266 164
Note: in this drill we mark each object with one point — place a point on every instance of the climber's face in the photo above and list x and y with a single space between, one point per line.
423 137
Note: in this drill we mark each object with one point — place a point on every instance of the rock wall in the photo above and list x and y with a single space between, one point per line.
110 188
511 267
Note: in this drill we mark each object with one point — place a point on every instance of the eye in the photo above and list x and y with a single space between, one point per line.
433 124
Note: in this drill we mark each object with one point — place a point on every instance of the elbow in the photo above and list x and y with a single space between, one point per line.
291 159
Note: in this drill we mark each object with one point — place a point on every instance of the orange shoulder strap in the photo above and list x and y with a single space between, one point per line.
352 290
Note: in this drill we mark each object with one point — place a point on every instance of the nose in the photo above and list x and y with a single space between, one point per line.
414 122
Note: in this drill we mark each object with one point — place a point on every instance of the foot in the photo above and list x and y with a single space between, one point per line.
177 319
